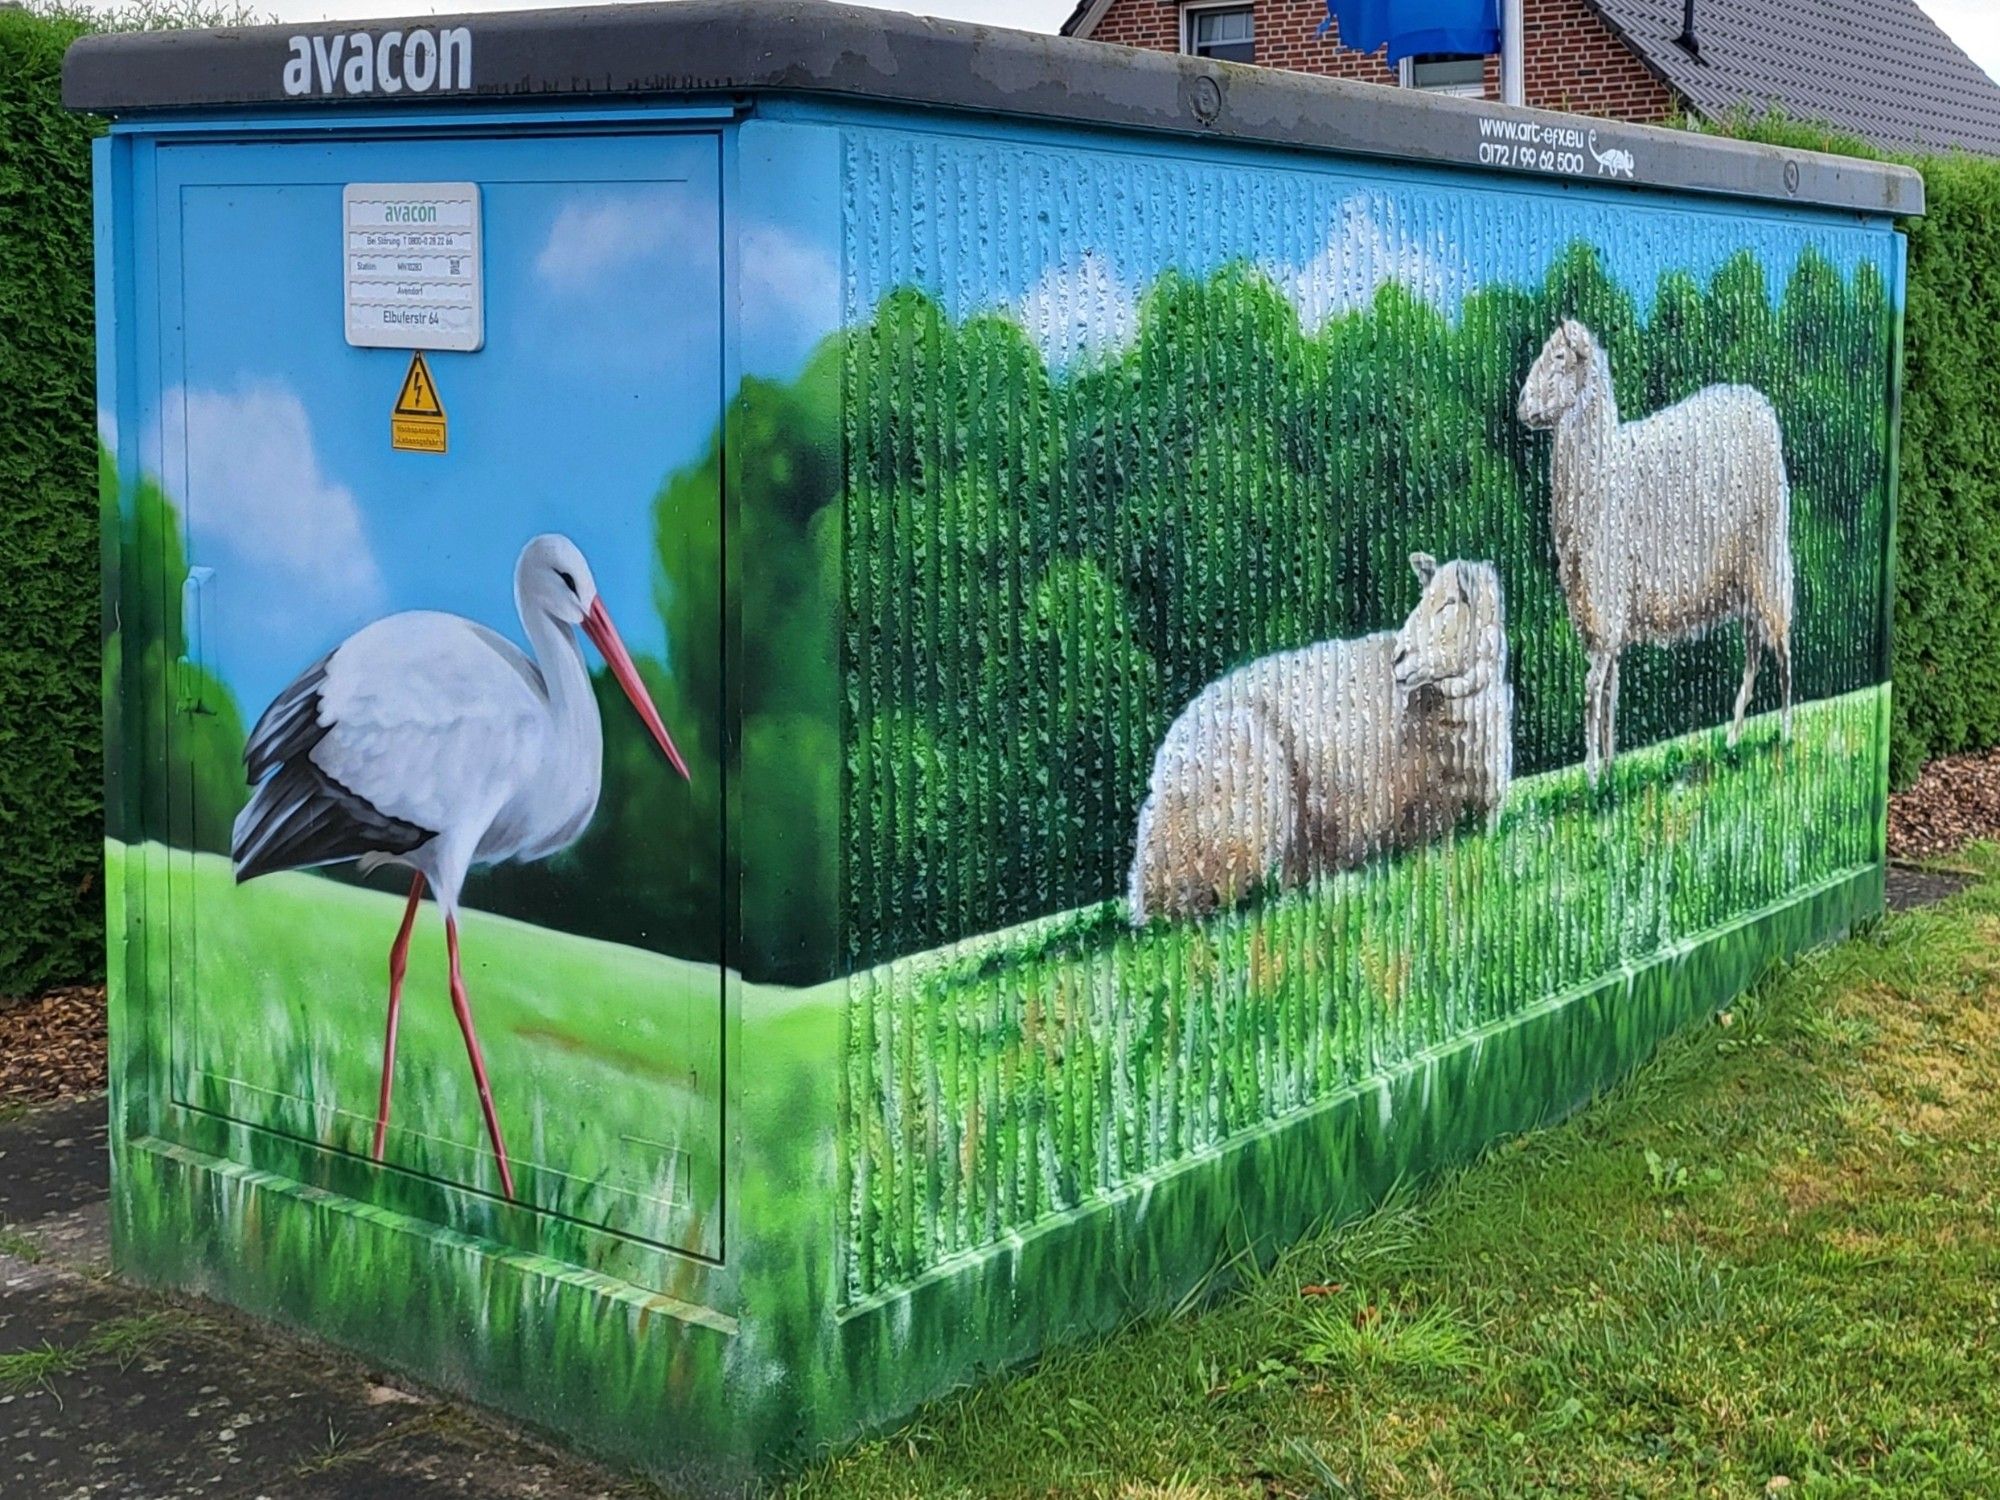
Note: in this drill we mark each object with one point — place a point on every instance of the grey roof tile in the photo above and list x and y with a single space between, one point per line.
1880 69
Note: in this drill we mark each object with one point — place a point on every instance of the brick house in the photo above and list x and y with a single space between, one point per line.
1881 69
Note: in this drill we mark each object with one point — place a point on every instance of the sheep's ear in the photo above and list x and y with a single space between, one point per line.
1425 564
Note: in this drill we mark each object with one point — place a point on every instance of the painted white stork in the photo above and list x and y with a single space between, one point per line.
429 741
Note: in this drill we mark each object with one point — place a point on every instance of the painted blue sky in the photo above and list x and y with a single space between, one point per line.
599 379
1108 225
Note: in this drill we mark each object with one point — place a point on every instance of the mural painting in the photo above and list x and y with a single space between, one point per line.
1213 658
1185 791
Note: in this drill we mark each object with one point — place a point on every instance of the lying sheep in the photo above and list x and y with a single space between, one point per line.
1314 760
1664 528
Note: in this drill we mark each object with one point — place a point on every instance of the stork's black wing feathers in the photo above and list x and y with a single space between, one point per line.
303 817
299 816
289 727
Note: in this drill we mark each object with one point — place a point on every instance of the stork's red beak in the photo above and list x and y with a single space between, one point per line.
604 636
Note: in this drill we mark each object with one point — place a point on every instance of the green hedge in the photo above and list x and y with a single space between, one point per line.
1947 625
1947 671
50 725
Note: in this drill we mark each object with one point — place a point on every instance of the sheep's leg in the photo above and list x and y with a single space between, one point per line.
1590 724
1608 740
1785 687
1593 714
1753 653
1781 650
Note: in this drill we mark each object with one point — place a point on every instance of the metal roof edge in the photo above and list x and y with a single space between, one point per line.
814 47
1084 18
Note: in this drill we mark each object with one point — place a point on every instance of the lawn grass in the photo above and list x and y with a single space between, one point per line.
118 1341
1773 1252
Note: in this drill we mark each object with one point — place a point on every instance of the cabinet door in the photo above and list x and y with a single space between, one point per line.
289 521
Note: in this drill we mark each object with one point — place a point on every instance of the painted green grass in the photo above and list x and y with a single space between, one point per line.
604 1059
1774 1252
1024 1073
504 1306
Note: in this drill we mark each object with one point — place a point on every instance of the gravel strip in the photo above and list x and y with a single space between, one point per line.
52 1047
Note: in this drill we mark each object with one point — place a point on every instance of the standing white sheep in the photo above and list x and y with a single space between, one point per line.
1664 528
1316 759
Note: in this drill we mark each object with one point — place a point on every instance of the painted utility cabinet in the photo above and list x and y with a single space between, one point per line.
800 699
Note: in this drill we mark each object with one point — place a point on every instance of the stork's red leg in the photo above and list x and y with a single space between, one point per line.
399 961
463 1007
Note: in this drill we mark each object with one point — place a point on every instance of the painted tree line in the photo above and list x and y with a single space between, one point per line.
1027 574
1042 571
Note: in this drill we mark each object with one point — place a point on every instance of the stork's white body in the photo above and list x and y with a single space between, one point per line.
444 724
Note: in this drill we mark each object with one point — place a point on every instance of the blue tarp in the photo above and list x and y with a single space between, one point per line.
1414 28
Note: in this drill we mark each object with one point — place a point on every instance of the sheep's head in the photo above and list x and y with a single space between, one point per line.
1455 640
1560 375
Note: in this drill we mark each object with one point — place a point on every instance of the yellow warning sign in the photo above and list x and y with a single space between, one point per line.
417 423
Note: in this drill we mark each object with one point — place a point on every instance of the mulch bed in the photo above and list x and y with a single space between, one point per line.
1955 800
52 1047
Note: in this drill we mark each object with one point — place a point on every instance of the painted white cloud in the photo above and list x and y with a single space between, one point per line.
107 428
787 288
1080 311
255 486
591 238
1368 249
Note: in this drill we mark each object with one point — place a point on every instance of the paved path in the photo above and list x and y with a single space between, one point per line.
106 1391
1912 886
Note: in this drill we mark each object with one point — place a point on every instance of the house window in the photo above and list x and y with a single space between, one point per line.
1223 32
1464 76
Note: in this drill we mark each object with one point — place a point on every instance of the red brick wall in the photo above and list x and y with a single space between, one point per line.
1574 61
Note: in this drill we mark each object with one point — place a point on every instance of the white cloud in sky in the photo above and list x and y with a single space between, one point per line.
1368 248
255 486
1085 309
1974 25
107 427
1080 311
604 233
